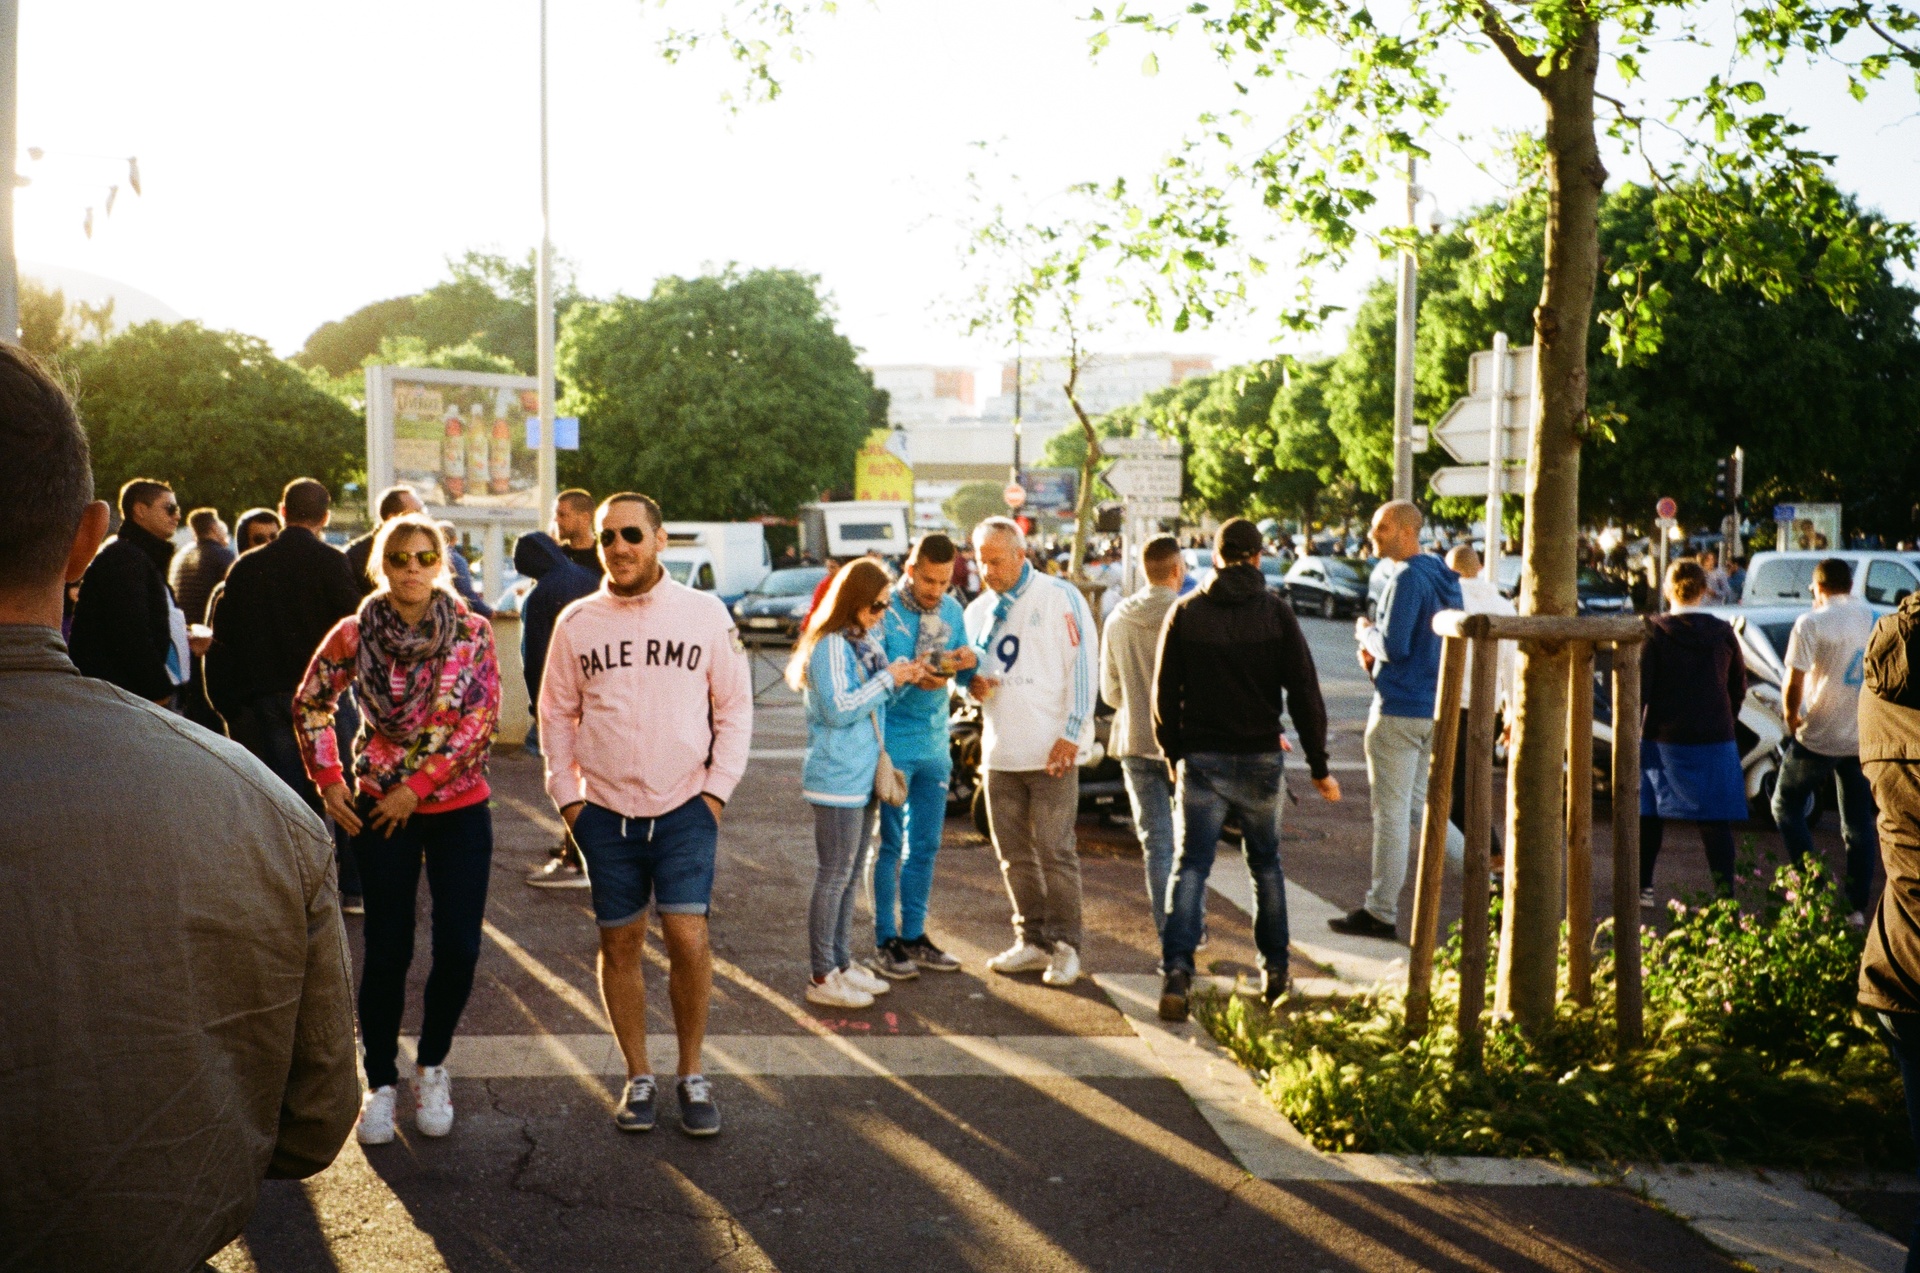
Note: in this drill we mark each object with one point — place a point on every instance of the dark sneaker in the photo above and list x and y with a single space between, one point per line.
892 962
699 1116
927 955
1363 923
559 872
1275 987
1173 996
636 1113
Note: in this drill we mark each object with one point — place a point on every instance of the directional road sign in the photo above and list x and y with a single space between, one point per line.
1519 373
1156 478
1153 508
1466 432
1139 446
1471 482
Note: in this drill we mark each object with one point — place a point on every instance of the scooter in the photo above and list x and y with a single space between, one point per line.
1103 790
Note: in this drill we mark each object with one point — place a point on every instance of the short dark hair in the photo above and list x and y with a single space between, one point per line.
634 497
203 520
251 518
1237 540
46 474
1160 550
935 548
306 501
1834 575
576 500
393 500
140 491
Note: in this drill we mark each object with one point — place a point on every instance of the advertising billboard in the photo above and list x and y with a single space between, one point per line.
1050 492
881 470
459 438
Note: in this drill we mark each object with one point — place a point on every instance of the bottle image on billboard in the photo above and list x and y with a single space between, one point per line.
501 469
477 448
453 457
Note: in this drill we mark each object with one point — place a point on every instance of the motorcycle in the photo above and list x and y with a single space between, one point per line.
1103 790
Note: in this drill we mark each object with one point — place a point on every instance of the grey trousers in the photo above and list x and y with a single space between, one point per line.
1032 817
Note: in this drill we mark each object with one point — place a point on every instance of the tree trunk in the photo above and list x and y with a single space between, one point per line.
1536 821
1083 502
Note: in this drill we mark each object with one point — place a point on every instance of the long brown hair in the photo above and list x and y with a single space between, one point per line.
857 585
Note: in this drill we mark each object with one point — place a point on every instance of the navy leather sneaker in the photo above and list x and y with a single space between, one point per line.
699 1116
636 1112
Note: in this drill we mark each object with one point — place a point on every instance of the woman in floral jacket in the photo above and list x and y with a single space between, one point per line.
422 668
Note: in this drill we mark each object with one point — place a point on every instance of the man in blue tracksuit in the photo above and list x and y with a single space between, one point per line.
924 621
1402 654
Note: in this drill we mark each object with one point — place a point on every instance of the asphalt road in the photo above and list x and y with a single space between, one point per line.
915 1164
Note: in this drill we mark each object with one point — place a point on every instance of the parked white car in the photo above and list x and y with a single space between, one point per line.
1881 578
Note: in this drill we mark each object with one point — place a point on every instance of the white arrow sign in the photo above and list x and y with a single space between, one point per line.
1471 483
1140 447
1144 478
1466 431
1519 373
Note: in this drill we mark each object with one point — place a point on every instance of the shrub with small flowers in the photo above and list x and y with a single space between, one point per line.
1754 1054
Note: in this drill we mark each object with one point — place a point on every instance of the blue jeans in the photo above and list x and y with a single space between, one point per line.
1211 785
905 882
1902 1033
1801 772
840 839
1150 792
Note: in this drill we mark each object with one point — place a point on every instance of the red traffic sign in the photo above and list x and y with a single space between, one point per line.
1015 494
1667 508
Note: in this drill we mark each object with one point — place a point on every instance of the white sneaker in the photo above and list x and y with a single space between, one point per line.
1857 920
1064 969
1019 957
837 992
858 976
433 1097
376 1117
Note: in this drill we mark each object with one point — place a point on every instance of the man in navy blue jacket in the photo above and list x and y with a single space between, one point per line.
560 583
1402 654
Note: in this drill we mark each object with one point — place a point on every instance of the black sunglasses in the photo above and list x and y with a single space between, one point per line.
427 557
632 534
170 508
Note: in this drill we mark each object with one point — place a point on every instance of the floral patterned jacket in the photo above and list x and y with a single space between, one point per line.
446 764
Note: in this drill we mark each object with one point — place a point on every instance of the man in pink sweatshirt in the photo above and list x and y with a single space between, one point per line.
646 714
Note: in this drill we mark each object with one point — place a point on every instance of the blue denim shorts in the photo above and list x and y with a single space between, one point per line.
630 861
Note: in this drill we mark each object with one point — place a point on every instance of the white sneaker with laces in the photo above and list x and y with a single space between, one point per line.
1019 957
857 975
837 992
1647 899
433 1096
376 1117
1064 969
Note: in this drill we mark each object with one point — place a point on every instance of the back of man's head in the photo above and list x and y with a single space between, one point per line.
1161 558
46 474
139 493
203 520
1238 540
1463 561
1833 577
396 500
306 502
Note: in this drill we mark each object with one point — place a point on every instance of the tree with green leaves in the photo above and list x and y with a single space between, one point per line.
214 413
972 504
725 397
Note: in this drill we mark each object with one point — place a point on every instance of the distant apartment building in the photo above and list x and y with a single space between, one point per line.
951 443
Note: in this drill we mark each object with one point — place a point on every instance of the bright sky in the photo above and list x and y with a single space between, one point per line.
301 161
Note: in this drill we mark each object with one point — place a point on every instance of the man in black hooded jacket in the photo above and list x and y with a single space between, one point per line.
122 625
560 582
1230 653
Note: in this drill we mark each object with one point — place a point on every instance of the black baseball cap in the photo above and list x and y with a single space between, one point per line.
1238 539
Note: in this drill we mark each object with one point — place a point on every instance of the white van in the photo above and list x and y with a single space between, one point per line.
1881 578
728 559
845 529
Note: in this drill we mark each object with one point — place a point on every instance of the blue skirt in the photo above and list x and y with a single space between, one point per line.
1692 782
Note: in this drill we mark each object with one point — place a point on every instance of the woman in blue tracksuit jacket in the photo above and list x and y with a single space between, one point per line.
843 671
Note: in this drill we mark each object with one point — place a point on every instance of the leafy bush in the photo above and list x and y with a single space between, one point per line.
1754 1054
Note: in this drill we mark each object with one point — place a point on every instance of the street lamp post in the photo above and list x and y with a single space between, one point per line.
549 468
9 140
1403 353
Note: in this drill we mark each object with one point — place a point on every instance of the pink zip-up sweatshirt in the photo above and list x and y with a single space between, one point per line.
646 702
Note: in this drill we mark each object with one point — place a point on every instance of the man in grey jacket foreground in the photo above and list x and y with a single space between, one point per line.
176 1007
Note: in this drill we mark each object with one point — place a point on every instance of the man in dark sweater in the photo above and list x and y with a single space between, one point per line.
122 624
561 582
1228 654
279 603
196 571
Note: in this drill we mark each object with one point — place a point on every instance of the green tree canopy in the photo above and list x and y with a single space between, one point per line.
726 396
214 413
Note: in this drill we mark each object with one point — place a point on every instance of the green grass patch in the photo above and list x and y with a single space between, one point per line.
1755 1054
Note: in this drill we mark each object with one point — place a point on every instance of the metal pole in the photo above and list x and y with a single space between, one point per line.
1497 459
549 467
9 143
1403 355
1019 375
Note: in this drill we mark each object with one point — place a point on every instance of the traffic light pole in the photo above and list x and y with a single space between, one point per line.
9 143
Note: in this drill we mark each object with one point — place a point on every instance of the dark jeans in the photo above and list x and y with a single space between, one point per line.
267 732
458 850
1459 815
1715 837
1801 773
1211 785
1901 1030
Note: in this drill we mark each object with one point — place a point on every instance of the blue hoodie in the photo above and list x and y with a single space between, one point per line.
561 583
1420 589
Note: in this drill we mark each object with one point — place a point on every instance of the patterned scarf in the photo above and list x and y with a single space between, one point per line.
933 632
389 644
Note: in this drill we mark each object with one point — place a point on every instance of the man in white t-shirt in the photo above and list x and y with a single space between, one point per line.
1822 693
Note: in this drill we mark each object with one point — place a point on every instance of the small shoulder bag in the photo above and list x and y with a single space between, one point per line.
888 783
